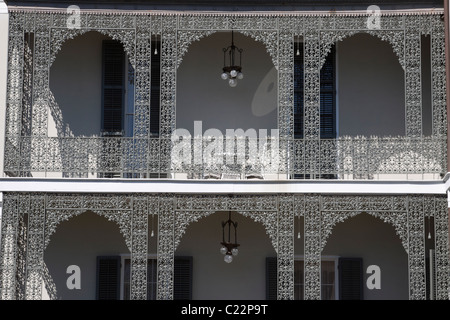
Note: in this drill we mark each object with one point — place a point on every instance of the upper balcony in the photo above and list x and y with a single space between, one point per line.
323 97
223 158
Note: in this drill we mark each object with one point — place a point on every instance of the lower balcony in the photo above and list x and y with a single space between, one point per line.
352 158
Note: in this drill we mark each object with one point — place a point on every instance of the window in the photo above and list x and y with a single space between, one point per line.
113 278
327 94
351 279
151 279
118 90
329 288
327 102
113 88
341 278
155 88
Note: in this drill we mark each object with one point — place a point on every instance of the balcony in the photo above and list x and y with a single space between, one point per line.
350 158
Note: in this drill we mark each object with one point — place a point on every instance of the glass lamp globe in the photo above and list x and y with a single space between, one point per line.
223 250
224 76
232 82
228 258
234 251
233 73
240 76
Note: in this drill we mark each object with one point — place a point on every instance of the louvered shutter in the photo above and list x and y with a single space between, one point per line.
328 97
113 67
351 279
155 89
271 278
327 94
182 278
298 90
108 278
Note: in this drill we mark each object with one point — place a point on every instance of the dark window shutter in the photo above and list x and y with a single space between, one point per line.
108 278
155 89
327 94
271 278
298 90
328 97
113 67
351 279
182 278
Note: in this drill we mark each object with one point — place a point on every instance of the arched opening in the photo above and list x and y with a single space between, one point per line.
242 279
203 96
77 242
371 88
91 86
376 244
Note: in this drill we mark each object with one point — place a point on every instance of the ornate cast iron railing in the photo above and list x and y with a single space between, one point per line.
219 158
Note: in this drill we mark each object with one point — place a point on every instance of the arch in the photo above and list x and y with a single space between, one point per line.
215 279
370 104
59 36
368 237
398 220
76 242
394 38
75 74
184 219
186 37
210 99
56 217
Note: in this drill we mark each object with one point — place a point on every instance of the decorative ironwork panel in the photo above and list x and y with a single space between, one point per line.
166 248
413 78
41 75
22 250
285 249
416 248
168 75
9 246
437 207
389 209
177 32
439 83
262 209
35 247
14 90
285 97
312 79
139 248
61 207
312 243
142 78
